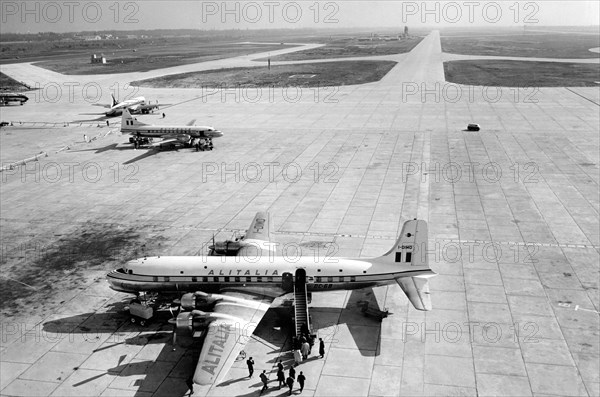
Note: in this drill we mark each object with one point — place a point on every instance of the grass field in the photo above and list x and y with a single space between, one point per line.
303 75
352 47
522 73
524 44
153 57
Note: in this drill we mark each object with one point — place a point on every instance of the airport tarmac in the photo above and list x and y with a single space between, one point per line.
513 233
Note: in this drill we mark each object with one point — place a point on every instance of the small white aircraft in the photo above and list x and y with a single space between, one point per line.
134 105
170 134
8 97
241 288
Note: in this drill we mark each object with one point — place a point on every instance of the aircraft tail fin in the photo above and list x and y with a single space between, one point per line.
127 121
114 101
411 247
410 251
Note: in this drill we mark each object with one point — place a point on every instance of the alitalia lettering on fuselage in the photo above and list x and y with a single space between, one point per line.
216 349
242 272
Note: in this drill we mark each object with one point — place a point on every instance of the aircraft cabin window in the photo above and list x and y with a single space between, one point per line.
155 279
398 256
130 271
270 279
408 256
237 279
226 279
330 279
194 279
248 279
259 279
341 279
205 279
216 279
318 279
167 279
352 279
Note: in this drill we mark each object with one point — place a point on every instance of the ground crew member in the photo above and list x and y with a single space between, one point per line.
321 347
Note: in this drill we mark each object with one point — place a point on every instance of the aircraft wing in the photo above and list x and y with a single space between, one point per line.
168 138
258 236
237 315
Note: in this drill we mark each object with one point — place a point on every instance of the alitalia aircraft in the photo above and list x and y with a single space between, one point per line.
241 288
182 134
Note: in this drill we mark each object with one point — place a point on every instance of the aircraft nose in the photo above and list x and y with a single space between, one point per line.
217 133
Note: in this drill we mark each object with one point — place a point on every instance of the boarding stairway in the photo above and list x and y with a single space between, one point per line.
302 319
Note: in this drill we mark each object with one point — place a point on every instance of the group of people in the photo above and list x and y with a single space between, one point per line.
281 378
301 347
201 144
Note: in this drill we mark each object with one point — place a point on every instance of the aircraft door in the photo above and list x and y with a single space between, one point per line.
287 282
300 276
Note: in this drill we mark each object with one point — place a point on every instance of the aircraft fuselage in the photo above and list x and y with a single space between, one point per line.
189 274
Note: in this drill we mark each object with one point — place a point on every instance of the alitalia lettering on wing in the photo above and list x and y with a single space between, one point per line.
216 349
242 272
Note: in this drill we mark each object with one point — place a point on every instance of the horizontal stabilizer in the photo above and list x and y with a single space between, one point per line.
417 290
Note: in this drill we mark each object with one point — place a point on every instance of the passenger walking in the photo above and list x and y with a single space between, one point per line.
250 363
280 378
297 357
301 379
264 379
292 373
290 383
305 350
321 347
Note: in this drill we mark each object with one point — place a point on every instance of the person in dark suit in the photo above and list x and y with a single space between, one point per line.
290 383
250 363
281 378
264 380
292 373
321 347
301 379
280 365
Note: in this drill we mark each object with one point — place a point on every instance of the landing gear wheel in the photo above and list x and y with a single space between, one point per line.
143 323
132 319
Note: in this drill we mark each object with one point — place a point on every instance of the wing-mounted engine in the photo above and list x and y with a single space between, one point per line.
192 323
197 301
227 247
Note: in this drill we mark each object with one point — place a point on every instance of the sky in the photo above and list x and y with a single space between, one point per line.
73 16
